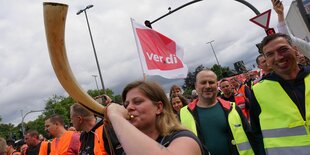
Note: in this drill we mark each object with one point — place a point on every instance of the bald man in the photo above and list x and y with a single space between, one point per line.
219 124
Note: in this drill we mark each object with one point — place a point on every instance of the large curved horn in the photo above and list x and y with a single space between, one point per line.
54 20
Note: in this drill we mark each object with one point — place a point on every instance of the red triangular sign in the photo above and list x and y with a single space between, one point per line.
262 19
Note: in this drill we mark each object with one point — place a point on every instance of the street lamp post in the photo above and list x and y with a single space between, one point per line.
95 76
210 42
244 2
92 41
23 118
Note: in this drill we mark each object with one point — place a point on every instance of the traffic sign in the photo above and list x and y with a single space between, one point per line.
270 31
262 19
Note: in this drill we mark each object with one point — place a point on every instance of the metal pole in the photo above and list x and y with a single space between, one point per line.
23 129
92 41
23 117
210 42
148 23
249 5
95 76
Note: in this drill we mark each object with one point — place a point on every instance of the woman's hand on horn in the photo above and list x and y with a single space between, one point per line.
115 110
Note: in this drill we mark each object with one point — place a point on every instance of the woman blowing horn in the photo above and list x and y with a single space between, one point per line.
154 129
151 120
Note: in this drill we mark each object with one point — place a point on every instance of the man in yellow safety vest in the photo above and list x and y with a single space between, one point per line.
280 106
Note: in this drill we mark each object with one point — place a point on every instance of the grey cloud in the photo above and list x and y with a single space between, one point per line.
27 79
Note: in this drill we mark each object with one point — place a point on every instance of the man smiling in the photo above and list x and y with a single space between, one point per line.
279 116
219 124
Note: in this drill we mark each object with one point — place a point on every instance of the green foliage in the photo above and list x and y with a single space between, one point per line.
54 105
189 81
59 105
6 131
217 69
117 99
187 93
109 92
94 93
37 125
226 72
221 72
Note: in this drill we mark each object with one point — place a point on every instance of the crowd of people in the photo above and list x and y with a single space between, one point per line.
266 114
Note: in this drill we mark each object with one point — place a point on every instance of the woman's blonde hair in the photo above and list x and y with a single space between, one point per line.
166 122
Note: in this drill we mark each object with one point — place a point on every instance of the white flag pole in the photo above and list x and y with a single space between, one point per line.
137 45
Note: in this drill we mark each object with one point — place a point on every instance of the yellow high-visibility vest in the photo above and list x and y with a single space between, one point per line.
284 130
235 123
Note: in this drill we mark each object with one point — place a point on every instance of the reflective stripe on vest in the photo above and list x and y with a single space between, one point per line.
187 120
241 90
284 130
298 150
240 101
235 124
296 131
240 138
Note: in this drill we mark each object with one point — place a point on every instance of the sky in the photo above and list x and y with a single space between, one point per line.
28 80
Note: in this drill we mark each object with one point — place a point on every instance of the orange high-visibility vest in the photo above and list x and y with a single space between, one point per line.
98 142
44 148
63 144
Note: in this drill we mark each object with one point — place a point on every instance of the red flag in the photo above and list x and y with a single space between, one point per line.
159 55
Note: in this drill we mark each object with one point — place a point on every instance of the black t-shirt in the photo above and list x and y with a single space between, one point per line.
164 140
87 141
231 98
33 150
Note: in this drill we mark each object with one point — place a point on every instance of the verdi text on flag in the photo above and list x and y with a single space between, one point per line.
159 55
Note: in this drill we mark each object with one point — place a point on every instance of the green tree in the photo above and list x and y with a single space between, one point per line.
95 92
58 105
6 130
54 105
227 72
217 69
189 81
109 92
37 124
118 99
221 72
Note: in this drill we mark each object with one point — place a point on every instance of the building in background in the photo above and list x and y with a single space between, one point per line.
295 21
240 67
